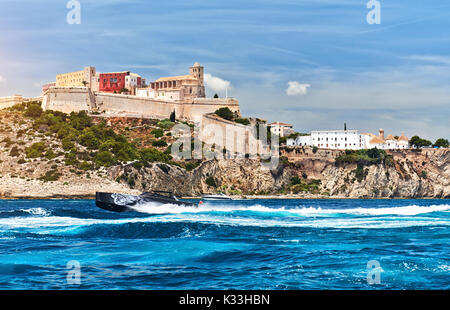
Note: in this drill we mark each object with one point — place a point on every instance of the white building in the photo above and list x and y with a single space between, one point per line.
281 129
166 95
134 80
349 140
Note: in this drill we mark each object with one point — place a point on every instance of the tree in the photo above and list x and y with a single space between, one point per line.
172 116
418 142
441 142
34 110
216 96
225 113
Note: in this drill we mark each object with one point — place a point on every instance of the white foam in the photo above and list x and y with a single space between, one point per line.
392 217
44 225
304 211
36 211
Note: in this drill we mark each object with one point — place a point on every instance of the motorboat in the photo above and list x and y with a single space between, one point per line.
123 202
220 196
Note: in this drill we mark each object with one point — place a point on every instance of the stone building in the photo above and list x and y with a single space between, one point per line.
177 88
349 140
281 129
84 78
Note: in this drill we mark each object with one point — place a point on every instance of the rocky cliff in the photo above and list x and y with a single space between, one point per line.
413 174
42 156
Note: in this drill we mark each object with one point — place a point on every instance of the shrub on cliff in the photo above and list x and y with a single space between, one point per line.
165 124
35 150
158 133
441 142
365 157
152 155
225 113
211 182
243 121
105 158
33 110
159 143
50 176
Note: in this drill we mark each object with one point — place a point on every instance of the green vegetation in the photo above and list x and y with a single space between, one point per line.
243 121
365 157
35 150
33 110
225 113
165 124
423 175
76 130
360 172
172 116
50 176
159 143
296 180
418 142
211 182
311 186
158 133
441 142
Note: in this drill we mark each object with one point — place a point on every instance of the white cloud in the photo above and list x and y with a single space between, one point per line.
2 79
216 83
295 88
431 58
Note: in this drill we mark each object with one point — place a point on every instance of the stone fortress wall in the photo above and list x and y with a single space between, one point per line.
68 99
7 102
236 138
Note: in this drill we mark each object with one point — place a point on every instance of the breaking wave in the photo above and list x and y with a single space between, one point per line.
303 211
239 215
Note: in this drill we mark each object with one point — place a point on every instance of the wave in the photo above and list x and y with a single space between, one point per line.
69 225
37 211
25 212
410 210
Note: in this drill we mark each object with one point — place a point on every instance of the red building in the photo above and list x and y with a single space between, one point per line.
112 82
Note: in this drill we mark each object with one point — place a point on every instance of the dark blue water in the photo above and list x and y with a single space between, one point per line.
253 244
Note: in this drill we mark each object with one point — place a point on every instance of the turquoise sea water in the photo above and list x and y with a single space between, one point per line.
246 244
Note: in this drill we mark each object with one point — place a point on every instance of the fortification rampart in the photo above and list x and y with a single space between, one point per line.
6 102
68 99
236 138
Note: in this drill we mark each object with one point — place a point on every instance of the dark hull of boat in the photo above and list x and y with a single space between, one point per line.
122 202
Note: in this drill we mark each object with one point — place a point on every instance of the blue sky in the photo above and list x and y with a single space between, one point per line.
395 75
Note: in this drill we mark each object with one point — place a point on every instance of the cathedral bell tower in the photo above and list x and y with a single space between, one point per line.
197 70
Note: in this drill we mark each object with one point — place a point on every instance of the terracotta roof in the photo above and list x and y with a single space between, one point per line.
280 124
390 137
403 138
180 77
376 140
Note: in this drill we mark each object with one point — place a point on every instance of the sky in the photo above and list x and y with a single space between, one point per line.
312 63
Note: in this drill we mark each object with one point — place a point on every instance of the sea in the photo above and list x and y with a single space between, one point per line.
274 244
